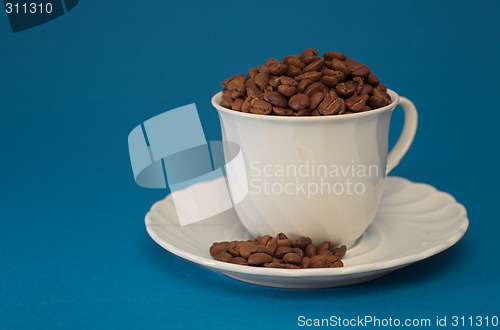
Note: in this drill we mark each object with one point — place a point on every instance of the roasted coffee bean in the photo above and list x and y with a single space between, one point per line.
224 257
293 71
284 80
315 87
274 265
331 258
324 253
312 75
284 242
282 112
340 251
226 101
295 61
367 89
379 92
281 251
246 249
315 66
252 89
376 101
235 86
292 258
327 72
329 81
352 64
278 68
264 249
381 87
260 107
237 104
287 90
356 103
310 251
305 263
303 84
331 55
233 248
252 73
264 69
317 258
287 58
333 93
339 75
318 262
310 59
275 98
330 106
315 113
274 82
246 105
309 55
230 83
357 69
367 108
298 251
346 89
281 236
262 79
272 60
259 259
325 246
315 100
273 242
360 84
239 261
372 79
340 66
298 102
337 264
309 52
217 248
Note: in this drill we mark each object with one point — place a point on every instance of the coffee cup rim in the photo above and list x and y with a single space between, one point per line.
394 102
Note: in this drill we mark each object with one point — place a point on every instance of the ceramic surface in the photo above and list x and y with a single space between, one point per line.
414 221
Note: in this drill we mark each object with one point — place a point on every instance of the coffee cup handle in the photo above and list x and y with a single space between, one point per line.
407 134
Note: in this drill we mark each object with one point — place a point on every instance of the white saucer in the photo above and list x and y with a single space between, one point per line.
414 222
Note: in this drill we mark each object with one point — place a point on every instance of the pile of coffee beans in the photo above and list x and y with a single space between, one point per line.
279 252
306 85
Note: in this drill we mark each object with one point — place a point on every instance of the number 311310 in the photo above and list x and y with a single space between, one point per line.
28 8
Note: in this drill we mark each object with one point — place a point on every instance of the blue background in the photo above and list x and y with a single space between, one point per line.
74 252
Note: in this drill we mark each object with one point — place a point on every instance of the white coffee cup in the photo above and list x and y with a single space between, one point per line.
321 177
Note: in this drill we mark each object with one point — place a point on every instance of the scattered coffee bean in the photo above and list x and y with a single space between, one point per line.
279 252
292 258
259 259
302 242
306 85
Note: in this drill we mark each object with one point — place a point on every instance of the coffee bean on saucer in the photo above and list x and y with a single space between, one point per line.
279 252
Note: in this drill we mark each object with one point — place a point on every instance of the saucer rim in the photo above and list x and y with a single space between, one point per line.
387 265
